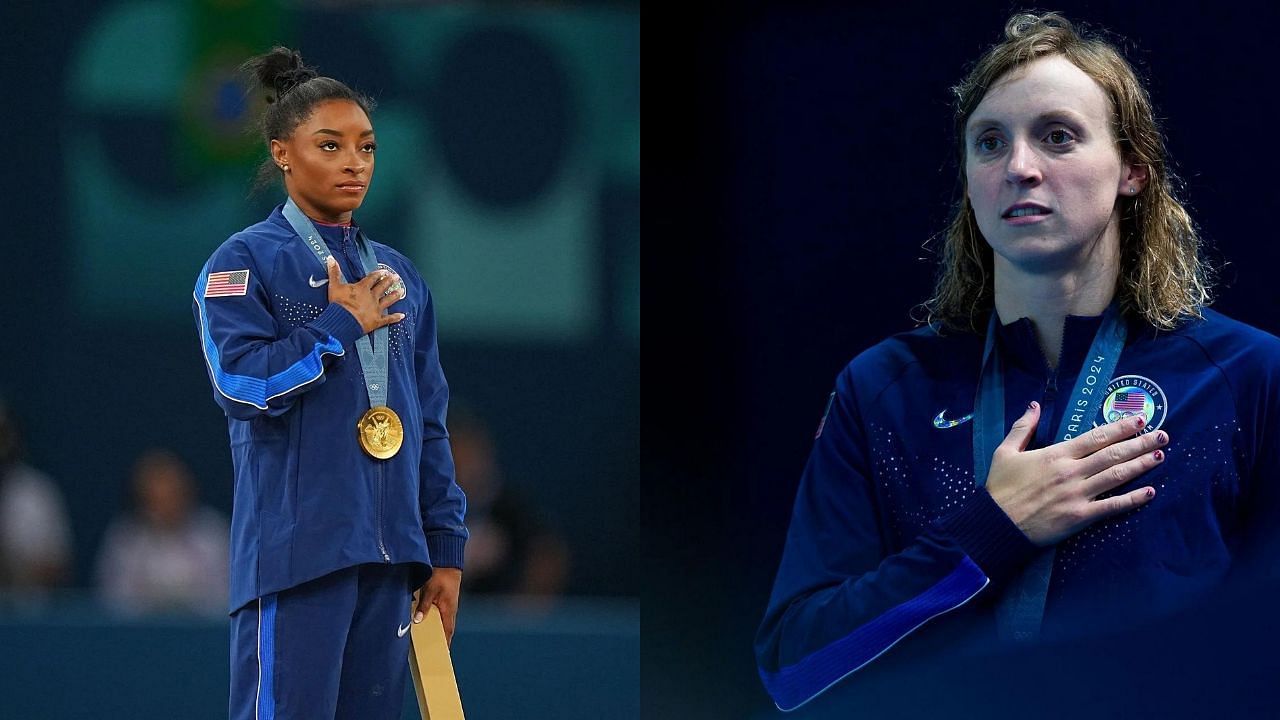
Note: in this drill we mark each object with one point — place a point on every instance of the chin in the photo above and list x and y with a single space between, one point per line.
344 205
1039 255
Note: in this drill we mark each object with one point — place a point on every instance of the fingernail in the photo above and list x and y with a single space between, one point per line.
1159 456
1141 421
1151 492
1164 437
417 617
1032 405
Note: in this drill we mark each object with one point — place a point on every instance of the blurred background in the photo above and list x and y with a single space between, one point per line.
509 171
807 160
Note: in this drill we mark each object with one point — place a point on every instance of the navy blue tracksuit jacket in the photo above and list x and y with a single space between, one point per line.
284 369
890 535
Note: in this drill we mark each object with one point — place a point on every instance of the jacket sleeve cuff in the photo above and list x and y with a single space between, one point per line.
989 537
446 550
338 322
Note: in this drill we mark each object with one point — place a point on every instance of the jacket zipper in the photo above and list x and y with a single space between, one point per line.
1048 410
382 547
387 556
347 246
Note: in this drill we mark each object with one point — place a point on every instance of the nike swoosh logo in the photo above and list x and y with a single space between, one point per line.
317 283
942 423
402 631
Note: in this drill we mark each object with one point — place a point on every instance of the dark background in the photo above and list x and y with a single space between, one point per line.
806 158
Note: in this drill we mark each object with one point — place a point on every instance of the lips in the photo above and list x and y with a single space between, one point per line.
1025 209
352 186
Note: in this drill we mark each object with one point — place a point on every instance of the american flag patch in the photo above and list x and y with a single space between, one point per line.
1130 401
231 282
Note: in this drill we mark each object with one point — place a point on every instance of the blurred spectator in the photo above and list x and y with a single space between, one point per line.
35 535
170 554
511 549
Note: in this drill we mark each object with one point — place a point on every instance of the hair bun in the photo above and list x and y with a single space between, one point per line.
289 79
280 70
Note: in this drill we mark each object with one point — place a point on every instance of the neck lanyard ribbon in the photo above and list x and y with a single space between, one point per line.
373 355
1020 610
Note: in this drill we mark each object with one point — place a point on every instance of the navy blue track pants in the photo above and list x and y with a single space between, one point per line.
335 647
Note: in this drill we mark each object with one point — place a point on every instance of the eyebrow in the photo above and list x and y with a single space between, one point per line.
1046 116
327 131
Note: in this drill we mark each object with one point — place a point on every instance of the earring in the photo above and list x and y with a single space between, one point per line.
285 167
1132 190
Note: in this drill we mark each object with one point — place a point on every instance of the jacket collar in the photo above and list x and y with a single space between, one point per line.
1017 341
331 234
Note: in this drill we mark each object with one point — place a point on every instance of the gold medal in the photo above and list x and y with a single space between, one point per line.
380 432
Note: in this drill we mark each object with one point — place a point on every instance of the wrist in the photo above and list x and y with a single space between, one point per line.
989 536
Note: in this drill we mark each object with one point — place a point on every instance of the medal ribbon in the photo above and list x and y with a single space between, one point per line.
1020 610
373 355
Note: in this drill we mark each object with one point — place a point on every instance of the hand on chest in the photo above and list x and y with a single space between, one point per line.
922 455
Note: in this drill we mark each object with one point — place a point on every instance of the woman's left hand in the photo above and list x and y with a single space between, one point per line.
441 590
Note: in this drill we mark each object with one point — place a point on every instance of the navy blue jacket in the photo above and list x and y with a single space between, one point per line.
284 369
889 530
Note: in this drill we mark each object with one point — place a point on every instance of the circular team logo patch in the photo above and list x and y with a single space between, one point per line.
1130 395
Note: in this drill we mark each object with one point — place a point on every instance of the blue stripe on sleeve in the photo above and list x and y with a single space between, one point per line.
797 684
266 657
252 390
